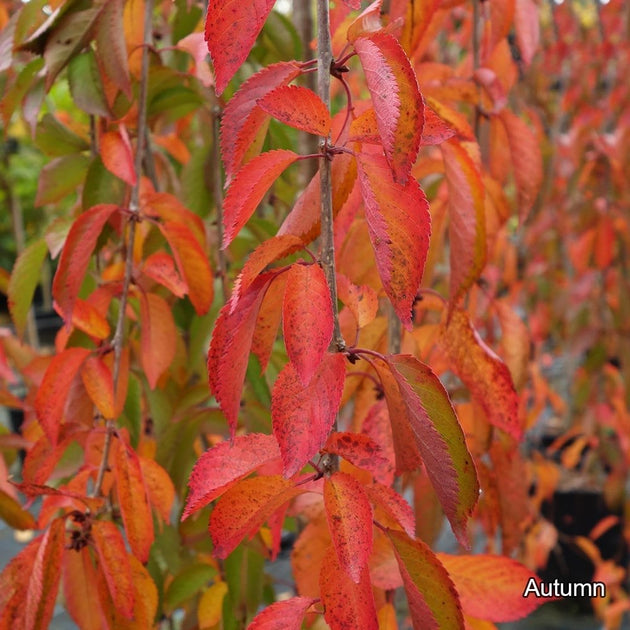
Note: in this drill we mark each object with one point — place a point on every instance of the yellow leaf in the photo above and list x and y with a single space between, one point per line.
210 607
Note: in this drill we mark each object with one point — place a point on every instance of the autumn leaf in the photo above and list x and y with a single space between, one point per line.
223 465
394 505
287 614
249 187
491 587
159 487
75 256
231 30
111 49
349 515
117 155
303 416
157 336
435 130
433 600
399 226
97 380
51 397
24 279
230 346
245 507
526 23
397 101
114 565
347 605
160 267
133 503
297 107
361 300
243 123
210 609
467 218
88 318
268 321
440 440
307 317
44 577
482 371
80 591
526 160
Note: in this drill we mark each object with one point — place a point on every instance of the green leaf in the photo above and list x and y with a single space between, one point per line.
101 186
60 178
54 138
24 278
186 584
86 86
18 89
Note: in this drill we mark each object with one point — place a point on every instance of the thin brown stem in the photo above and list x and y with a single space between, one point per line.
128 239
476 51
218 198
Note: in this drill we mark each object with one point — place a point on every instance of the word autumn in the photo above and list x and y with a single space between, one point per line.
563 589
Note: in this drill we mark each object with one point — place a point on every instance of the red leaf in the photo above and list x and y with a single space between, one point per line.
399 225
347 605
230 347
303 416
245 507
397 101
133 503
361 451
117 155
482 371
157 336
526 160
113 563
467 227
168 208
307 318
50 400
223 465
287 614
75 256
267 252
44 577
491 587
435 130
433 601
161 268
249 187
297 107
526 22
367 22
231 30
80 590
349 515
268 321
361 300
243 124
440 440
394 505
192 263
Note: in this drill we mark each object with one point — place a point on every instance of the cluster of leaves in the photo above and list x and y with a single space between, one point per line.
357 436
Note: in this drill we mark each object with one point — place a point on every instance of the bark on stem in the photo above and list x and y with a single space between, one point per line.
134 207
217 186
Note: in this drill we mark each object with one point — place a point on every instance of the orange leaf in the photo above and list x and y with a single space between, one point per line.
51 397
394 505
433 601
297 107
231 30
347 605
192 263
283 615
98 382
13 514
133 503
526 160
361 300
268 321
169 209
397 101
249 187
364 128
467 227
86 317
159 487
435 130
117 155
307 319
303 416
161 268
349 515
80 591
230 345
491 587
114 565
44 577
399 226
75 256
243 124
245 507
157 336
482 371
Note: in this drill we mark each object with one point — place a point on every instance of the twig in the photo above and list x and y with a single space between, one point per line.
218 197
134 207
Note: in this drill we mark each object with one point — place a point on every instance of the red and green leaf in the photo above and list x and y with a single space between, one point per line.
399 225
117 155
303 416
307 318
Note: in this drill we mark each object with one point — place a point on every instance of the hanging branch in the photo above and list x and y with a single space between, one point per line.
128 240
